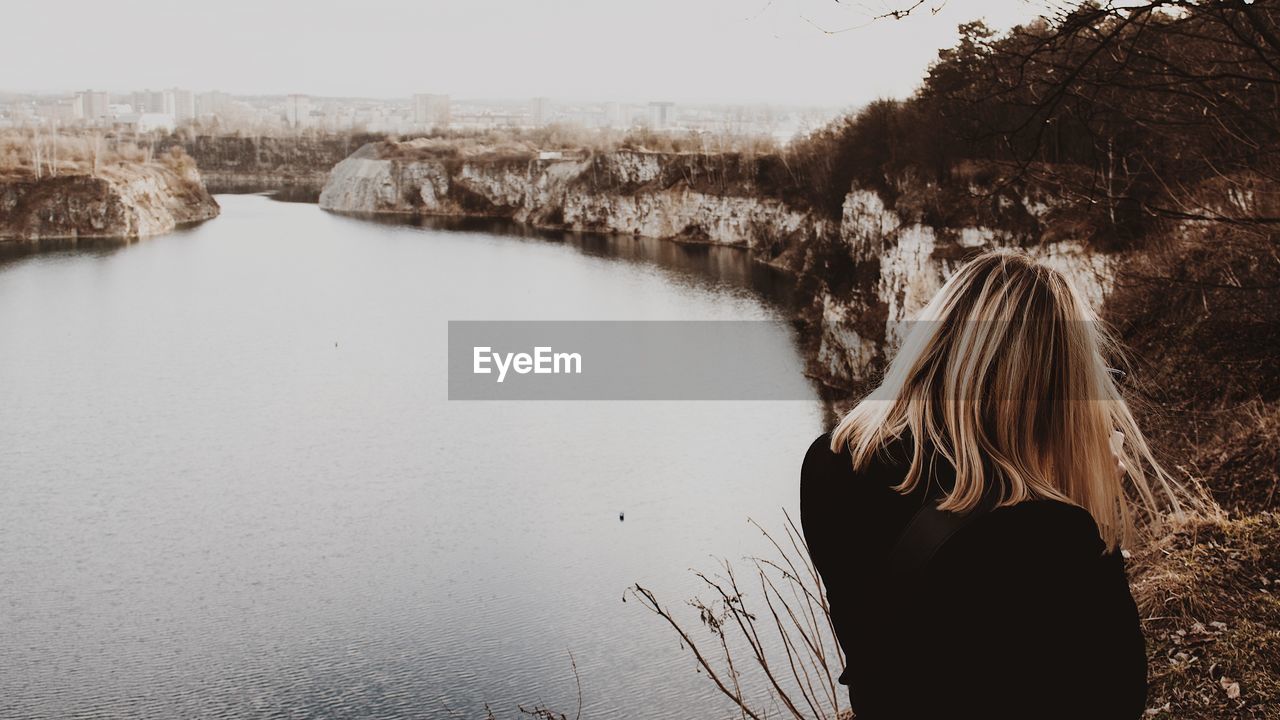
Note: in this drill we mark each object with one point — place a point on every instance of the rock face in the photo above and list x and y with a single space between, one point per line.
292 167
122 201
898 264
866 273
624 192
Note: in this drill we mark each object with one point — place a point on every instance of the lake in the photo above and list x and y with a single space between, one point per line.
233 485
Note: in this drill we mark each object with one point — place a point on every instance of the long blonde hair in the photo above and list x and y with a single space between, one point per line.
1004 376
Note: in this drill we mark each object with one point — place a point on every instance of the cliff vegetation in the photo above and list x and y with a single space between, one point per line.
93 185
292 167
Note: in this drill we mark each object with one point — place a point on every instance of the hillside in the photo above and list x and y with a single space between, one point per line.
71 187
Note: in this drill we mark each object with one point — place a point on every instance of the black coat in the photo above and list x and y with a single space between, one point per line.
1020 614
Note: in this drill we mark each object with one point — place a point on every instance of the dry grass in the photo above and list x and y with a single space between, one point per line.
1243 458
1200 311
1212 619
524 144
39 154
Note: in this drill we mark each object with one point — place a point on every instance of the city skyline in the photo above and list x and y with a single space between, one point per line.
148 110
790 52
123 89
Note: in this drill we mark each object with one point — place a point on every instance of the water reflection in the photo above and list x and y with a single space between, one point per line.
53 247
687 263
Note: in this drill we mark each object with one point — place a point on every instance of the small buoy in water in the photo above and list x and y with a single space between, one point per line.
622 516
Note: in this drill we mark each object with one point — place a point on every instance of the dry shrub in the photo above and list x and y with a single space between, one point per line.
1199 309
1200 312
1207 595
770 628
517 143
41 153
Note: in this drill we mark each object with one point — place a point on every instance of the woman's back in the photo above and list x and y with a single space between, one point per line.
1019 614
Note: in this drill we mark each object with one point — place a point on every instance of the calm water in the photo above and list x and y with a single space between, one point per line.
210 509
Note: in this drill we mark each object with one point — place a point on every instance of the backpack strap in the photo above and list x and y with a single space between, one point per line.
928 530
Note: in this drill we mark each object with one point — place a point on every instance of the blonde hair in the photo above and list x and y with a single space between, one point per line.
1003 374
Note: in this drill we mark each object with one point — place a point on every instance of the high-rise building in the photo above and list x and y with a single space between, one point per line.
431 110
184 105
297 110
160 102
91 105
212 104
661 114
154 101
540 111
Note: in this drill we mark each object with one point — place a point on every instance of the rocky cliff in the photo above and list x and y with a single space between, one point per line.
885 264
291 167
124 200
865 272
628 192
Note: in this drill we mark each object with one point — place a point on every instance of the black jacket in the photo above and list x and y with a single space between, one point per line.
1020 614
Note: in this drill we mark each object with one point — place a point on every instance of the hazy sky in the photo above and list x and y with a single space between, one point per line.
680 50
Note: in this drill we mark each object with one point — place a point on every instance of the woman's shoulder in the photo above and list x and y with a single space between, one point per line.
1031 530
829 475
1047 517
826 470
820 459
819 456
821 469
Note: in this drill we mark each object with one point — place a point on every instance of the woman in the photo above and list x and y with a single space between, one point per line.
966 517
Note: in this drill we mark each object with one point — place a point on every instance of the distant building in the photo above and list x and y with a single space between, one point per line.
91 106
124 117
68 111
212 104
431 110
155 101
184 105
297 110
540 111
661 114
155 121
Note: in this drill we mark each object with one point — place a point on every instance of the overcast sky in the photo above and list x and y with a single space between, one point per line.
638 50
